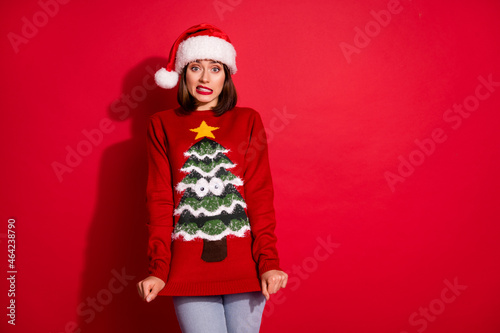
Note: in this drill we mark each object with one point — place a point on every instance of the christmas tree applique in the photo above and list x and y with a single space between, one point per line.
211 208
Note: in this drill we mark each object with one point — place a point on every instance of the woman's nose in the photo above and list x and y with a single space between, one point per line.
204 76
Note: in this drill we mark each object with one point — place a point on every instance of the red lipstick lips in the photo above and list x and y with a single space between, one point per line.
203 90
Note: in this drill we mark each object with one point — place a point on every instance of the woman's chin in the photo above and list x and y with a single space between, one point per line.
204 101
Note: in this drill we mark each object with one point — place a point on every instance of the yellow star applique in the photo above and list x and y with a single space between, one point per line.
204 130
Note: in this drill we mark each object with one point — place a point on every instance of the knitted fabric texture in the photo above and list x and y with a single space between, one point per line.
210 202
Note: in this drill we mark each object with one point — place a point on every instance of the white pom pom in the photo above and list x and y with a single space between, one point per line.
166 79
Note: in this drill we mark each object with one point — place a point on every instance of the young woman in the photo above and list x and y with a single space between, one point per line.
212 245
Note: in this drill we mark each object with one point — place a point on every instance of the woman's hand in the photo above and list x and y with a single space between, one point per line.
150 287
272 281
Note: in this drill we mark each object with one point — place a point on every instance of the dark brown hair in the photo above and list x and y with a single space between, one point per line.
227 98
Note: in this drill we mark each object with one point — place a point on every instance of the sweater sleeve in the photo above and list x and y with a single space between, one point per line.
259 195
160 203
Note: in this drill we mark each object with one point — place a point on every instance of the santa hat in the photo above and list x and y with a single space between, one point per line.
202 41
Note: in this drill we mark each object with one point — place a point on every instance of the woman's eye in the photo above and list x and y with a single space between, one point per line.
196 68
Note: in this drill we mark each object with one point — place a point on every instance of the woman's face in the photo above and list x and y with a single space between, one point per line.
204 81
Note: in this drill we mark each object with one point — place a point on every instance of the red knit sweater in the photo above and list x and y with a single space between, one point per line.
210 202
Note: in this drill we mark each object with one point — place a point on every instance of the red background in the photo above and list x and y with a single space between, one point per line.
354 119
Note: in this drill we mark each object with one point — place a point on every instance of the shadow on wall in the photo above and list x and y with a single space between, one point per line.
116 254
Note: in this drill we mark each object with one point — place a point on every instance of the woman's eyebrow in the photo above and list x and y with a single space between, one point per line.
212 62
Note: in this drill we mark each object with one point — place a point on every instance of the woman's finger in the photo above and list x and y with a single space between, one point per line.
140 289
264 289
152 292
279 283
274 284
285 280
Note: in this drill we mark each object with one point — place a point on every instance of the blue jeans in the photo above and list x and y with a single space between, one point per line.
229 313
